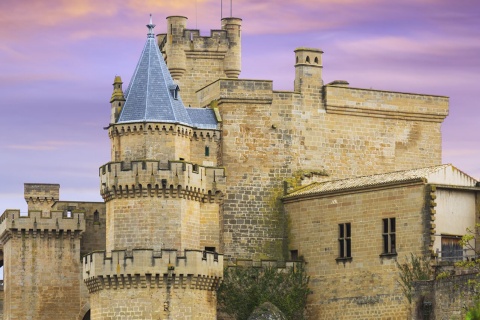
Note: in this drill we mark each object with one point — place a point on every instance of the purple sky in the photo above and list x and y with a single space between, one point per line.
58 59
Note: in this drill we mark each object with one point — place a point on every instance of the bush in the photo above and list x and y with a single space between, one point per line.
243 289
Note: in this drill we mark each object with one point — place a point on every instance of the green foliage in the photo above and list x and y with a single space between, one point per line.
413 269
443 275
243 289
473 313
468 243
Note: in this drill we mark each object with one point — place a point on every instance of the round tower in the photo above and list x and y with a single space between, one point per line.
308 69
175 50
162 203
233 57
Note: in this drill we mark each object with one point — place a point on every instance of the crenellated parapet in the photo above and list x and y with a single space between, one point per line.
174 179
54 223
180 44
142 268
163 129
41 196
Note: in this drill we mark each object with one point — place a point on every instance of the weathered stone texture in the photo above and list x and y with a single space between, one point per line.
447 298
93 238
147 303
206 58
43 269
365 285
270 137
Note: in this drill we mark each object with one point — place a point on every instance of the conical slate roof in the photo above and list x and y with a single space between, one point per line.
152 96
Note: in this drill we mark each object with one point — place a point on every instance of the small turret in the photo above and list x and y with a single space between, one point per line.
233 57
117 100
177 59
41 196
308 69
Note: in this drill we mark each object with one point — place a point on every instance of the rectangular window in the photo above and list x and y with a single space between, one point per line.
344 240
389 241
207 151
452 250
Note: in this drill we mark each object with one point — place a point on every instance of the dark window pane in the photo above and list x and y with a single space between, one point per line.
392 225
385 243
392 239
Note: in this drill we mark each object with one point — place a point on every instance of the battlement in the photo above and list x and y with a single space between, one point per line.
341 99
218 41
162 179
41 194
121 269
39 222
237 90
193 38
163 128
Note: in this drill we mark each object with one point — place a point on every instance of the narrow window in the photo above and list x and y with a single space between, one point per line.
207 151
316 60
96 216
344 240
307 60
389 241
293 255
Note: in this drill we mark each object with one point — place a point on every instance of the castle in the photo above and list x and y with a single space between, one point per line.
208 169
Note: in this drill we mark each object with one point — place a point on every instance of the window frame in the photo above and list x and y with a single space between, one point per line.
344 242
389 237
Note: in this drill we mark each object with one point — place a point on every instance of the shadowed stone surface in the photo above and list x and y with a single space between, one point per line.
267 311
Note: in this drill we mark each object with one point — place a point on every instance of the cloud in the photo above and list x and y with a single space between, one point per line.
45 146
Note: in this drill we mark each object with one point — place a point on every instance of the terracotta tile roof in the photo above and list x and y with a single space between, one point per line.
441 174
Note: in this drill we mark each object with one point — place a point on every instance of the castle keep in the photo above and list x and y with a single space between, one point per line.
208 169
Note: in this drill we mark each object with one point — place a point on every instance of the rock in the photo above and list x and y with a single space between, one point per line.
267 311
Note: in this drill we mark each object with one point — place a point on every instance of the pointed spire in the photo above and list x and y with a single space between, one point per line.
153 96
150 27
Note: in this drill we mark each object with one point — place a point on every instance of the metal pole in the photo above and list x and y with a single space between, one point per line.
221 9
231 15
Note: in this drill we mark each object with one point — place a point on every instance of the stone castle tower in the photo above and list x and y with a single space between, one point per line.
200 163
162 190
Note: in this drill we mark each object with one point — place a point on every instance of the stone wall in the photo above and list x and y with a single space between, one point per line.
42 268
363 286
270 137
194 61
447 298
134 142
93 239
147 284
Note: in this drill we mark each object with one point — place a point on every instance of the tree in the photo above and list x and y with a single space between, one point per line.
245 288
413 269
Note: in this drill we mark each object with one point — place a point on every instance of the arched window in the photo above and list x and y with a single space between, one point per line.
307 60
316 60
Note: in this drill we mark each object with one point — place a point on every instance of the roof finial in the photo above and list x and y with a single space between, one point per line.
150 27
